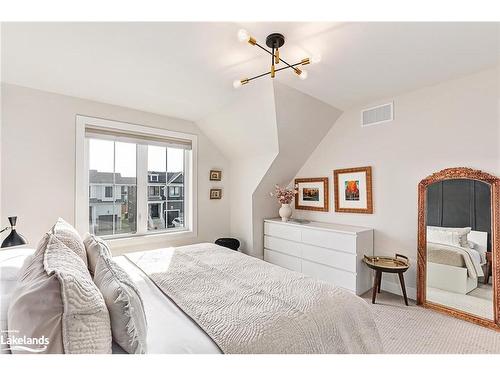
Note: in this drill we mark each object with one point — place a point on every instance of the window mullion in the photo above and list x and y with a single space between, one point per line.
142 189
113 189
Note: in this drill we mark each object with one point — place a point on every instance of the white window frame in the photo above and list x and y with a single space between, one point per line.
82 180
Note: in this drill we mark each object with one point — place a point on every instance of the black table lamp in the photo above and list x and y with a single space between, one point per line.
14 238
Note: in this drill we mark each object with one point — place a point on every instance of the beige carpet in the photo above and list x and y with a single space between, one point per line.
415 330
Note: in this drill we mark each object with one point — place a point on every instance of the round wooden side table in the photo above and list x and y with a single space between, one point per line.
399 264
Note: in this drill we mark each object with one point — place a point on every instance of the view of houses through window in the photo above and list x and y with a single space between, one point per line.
113 171
165 187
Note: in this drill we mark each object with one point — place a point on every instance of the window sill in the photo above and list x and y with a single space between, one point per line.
142 240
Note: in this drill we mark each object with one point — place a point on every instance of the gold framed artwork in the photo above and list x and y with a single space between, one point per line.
215 193
353 190
215 175
312 194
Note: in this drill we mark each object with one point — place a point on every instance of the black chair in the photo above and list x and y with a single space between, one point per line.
230 243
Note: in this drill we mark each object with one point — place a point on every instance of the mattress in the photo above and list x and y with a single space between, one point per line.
456 256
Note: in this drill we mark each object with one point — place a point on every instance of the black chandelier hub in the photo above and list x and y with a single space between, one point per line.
275 40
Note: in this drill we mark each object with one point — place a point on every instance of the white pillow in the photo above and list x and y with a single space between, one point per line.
69 237
56 299
125 306
448 236
11 262
93 247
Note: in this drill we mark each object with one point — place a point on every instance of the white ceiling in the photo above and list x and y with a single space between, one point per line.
186 70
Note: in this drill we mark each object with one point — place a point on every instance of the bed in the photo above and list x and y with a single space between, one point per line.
207 299
455 267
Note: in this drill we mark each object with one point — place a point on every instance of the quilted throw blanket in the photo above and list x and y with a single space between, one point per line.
249 306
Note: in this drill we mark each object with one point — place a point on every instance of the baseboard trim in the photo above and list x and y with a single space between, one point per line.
394 288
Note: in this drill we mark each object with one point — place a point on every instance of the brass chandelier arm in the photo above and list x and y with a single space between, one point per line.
275 70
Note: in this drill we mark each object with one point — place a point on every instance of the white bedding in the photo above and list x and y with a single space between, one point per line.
11 261
169 329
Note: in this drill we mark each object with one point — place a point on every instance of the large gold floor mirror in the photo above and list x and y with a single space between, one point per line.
459 245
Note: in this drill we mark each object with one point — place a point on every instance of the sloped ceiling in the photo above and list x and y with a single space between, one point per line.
302 122
186 70
246 126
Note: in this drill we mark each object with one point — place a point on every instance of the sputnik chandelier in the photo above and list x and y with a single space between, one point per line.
274 41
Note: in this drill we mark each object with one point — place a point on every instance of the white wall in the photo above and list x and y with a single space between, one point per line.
38 162
452 124
267 133
245 131
302 122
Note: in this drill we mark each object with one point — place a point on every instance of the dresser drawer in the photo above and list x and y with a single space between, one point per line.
340 278
283 246
282 260
282 231
337 259
331 240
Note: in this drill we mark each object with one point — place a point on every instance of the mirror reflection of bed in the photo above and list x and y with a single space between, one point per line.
458 232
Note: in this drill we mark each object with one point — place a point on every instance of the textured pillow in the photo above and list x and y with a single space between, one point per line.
448 236
56 299
70 237
125 306
93 247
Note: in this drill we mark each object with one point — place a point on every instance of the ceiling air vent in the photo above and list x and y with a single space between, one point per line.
377 115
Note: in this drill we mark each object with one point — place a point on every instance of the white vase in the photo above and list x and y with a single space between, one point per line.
285 211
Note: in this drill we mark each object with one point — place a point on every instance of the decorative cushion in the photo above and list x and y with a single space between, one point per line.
448 236
125 306
70 237
93 247
56 299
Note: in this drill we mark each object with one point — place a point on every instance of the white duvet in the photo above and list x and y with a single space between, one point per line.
170 330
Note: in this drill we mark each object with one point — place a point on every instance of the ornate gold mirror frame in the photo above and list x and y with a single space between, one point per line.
494 182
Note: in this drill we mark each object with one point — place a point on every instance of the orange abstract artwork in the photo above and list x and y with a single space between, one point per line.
352 190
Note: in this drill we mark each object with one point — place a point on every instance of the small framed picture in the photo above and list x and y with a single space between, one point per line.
215 193
215 175
353 190
312 194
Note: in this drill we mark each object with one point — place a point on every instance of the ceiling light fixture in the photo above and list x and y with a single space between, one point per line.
274 41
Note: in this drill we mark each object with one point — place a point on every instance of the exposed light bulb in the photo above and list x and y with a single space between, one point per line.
303 74
315 59
240 82
243 35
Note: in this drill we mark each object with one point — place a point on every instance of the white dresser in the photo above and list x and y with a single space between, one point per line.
329 252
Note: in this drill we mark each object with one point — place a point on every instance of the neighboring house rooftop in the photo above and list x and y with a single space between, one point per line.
172 177
96 177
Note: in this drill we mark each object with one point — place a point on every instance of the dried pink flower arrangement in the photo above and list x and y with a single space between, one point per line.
283 194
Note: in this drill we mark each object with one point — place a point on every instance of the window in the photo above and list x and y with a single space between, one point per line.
154 191
108 191
167 164
138 180
112 167
174 191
